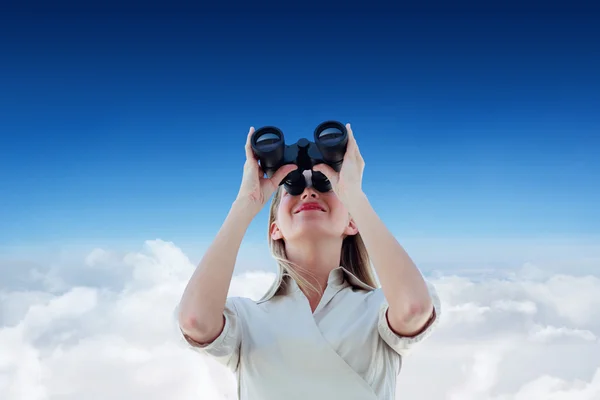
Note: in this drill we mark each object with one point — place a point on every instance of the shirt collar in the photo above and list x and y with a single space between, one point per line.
338 277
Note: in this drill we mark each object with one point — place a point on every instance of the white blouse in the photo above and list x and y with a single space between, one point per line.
279 349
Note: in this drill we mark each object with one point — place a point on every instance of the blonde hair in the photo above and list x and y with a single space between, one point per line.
353 256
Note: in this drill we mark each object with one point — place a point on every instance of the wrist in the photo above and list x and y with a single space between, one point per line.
353 198
244 209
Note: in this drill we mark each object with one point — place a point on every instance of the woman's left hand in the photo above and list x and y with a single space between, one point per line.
348 182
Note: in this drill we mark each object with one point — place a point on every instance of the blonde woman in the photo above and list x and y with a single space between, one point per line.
325 329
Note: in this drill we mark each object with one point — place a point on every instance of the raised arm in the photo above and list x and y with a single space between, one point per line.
203 302
201 316
411 306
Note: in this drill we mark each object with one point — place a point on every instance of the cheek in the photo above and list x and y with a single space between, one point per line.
341 219
339 214
283 215
336 206
285 205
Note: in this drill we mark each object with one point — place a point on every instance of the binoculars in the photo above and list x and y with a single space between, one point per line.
329 147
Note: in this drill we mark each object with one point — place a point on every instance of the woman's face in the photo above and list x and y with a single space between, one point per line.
311 213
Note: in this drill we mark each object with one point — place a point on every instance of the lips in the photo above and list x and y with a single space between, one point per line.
310 206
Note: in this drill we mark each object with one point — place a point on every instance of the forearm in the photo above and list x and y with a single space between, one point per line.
403 285
203 300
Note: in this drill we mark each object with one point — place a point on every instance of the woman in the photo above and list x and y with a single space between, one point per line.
325 330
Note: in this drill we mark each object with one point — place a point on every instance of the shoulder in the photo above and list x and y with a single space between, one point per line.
372 298
240 303
248 306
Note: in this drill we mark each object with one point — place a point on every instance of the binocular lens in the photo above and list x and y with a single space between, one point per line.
266 140
330 135
268 146
331 138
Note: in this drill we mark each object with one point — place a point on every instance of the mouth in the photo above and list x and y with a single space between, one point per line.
309 207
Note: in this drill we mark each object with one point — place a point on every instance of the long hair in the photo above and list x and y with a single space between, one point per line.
353 256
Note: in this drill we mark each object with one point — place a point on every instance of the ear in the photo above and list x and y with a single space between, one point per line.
275 232
351 228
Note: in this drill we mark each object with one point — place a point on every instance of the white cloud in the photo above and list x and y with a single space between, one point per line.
104 328
97 256
552 333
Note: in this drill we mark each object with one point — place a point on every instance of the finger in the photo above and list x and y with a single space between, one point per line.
351 140
249 152
282 173
350 132
352 145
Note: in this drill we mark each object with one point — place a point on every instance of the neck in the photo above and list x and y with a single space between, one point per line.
316 258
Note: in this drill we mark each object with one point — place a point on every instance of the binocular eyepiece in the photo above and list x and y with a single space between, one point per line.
329 147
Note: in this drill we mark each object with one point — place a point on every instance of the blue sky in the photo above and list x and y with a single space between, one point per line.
132 126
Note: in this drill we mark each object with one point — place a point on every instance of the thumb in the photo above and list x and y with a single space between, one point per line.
325 170
282 172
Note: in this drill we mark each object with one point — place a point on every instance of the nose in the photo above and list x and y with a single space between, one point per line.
309 192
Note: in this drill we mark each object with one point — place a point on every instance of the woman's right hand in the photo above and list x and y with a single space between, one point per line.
255 189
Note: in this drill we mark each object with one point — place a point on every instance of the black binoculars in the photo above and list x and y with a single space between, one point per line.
329 147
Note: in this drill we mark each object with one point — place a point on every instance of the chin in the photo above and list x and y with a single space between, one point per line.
315 229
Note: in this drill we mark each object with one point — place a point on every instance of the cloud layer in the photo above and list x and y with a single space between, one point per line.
105 329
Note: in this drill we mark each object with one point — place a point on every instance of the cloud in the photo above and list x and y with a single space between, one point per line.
103 327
